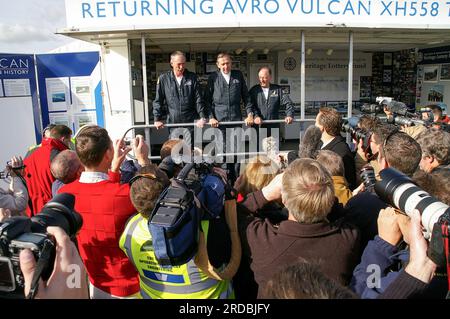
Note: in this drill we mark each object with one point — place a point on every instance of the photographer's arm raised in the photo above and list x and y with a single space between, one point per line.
16 197
420 269
141 150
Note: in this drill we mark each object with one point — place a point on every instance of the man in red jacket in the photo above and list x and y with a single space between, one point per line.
37 167
105 206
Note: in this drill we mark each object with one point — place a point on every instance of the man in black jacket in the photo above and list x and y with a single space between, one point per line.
226 89
180 91
266 99
329 121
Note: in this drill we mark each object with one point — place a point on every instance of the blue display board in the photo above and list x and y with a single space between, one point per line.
70 89
18 85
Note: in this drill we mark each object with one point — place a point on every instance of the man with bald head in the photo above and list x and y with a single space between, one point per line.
266 99
66 168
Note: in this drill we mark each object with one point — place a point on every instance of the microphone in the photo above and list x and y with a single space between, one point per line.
310 144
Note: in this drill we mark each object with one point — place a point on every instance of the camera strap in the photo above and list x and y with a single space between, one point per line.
41 265
30 203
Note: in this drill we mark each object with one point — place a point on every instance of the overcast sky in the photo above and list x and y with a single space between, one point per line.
29 26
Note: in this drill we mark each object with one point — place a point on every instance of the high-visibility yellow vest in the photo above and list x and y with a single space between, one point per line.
181 282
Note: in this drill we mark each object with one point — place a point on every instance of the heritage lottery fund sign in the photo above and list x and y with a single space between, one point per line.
162 14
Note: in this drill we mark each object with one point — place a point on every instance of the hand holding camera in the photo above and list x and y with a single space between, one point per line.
141 150
419 266
68 273
388 228
120 152
21 233
15 166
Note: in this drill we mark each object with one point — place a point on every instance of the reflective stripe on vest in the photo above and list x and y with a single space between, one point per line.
185 281
129 237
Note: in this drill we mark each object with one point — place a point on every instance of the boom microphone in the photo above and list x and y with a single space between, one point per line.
398 108
310 143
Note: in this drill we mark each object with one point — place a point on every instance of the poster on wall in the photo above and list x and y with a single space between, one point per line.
17 87
58 95
387 76
365 90
430 73
387 59
84 118
19 107
433 76
326 75
59 119
81 89
70 88
445 72
436 93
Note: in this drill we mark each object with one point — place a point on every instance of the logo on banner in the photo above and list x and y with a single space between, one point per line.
290 63
14 66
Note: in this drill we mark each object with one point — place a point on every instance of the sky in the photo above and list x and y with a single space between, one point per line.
29 26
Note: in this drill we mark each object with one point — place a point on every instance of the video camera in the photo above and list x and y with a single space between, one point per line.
196 194
403 117
19 232
377 107
371 108
398 190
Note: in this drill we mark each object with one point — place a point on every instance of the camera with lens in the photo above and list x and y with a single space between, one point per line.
7 172
371 108
358 134
383 99
367 174
398 190
403 116
19 232
405 121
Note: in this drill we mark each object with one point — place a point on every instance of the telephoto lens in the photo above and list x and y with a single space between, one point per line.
367 175
58 212
399 190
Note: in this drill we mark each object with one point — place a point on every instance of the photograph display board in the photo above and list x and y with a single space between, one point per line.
70 89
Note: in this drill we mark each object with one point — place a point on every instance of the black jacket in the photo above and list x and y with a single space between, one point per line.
362 211
224 99
340 147
184 102
269 109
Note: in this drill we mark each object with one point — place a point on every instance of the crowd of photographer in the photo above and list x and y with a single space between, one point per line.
335 223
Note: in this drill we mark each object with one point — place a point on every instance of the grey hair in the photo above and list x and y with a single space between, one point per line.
175 54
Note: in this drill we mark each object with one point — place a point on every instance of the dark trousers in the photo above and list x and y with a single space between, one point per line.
233 167
268 130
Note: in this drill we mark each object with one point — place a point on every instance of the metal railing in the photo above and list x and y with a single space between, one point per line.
206 125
